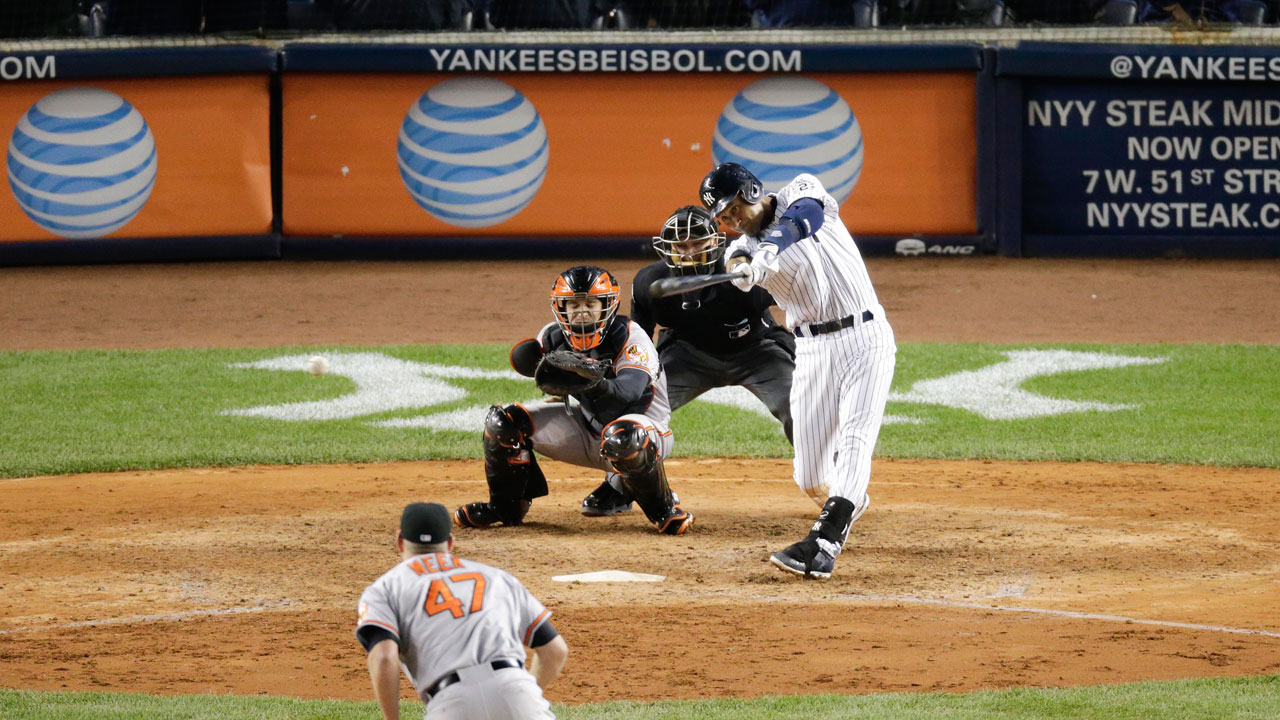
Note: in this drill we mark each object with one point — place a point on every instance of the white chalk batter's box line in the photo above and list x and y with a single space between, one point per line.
880 599
889 599
166 617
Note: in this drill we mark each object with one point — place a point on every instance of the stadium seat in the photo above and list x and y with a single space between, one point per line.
1119 12
92 19
866 13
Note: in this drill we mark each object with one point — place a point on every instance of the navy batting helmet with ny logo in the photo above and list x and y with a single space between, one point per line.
726 182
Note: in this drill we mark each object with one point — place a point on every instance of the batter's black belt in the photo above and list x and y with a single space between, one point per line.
452 677
834 325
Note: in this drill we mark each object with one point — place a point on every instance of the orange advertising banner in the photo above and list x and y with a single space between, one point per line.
137 157
592 154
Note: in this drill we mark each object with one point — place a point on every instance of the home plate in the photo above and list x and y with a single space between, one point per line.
609 576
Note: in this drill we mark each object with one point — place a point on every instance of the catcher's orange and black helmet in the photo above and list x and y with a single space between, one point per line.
585 282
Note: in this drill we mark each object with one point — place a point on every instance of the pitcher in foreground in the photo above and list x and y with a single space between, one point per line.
460 629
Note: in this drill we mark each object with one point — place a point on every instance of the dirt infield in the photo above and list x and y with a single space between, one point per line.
266 304
963 575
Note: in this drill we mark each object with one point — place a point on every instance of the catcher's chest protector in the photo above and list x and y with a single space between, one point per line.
615 339
602 412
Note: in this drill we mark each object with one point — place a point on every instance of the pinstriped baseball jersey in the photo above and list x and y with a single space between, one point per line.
823 277
448 613
843 375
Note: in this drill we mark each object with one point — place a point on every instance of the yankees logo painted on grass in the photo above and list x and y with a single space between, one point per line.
993 391
386 384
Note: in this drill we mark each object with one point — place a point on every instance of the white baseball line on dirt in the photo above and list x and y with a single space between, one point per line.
168 617
172 617
1059 613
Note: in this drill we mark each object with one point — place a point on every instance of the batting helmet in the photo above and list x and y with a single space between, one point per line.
690 244
585 282
724 183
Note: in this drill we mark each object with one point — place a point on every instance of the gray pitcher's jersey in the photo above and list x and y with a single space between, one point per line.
448 613
822 277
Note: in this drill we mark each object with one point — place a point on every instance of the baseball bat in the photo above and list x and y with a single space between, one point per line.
666 287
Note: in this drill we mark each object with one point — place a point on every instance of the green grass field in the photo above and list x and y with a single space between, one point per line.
1255 698
116 410
84 411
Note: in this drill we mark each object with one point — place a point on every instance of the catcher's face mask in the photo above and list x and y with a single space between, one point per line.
584 299
690 243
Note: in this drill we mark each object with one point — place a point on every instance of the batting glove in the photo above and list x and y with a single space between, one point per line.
748 276
765 257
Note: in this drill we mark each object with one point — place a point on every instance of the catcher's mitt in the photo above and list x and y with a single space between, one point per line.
563 372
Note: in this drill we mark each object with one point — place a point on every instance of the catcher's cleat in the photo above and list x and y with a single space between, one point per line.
806 558
476 515
677 522
605 501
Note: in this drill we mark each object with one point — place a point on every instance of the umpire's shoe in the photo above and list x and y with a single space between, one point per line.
606 500
806 558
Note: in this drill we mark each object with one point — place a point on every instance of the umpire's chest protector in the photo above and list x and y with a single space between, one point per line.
718 320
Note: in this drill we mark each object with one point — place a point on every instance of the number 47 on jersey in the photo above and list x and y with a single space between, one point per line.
440 598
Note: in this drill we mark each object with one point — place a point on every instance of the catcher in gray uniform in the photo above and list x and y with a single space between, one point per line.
617 421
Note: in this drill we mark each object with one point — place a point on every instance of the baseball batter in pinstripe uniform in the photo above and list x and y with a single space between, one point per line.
794 245
459 628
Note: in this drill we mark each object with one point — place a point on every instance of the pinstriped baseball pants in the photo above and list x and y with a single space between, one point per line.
838 396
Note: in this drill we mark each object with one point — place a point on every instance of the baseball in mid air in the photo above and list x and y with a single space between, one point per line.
317 365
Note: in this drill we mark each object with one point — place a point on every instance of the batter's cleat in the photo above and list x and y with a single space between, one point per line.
806 558
605 501
677 522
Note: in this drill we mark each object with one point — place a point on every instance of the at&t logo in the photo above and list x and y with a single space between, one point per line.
472 151
782 126
82 162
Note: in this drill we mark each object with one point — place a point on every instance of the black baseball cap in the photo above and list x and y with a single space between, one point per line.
425 523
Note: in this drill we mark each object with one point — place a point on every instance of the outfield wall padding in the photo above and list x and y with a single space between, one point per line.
417 151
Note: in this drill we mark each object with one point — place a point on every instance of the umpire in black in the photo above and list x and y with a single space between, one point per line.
716 337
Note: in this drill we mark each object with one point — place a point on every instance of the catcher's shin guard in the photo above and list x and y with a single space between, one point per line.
626 445
509 466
